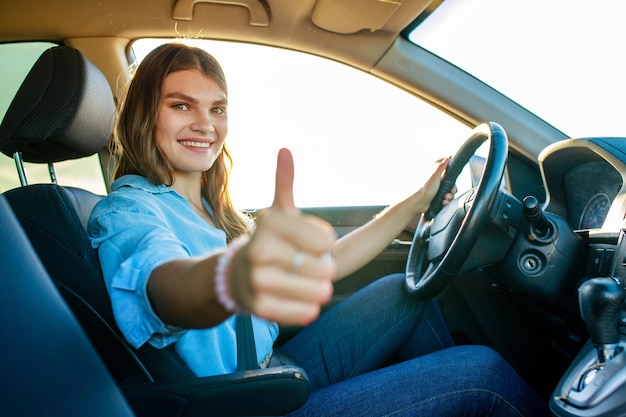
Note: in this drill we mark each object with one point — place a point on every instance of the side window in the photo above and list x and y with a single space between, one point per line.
16 60
356 140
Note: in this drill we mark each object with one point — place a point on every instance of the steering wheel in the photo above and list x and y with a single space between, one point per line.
446 234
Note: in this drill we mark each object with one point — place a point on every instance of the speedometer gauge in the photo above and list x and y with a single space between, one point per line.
595 212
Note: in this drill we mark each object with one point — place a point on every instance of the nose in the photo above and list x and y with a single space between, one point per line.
203 123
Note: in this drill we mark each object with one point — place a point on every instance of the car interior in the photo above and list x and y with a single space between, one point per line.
529 260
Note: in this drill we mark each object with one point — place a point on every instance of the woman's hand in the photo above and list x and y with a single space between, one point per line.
424 196
284 273
431 186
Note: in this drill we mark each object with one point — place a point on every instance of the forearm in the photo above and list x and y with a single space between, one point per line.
359 247
356 249
259 275
182 293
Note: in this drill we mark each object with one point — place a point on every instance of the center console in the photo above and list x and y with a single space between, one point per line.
595 383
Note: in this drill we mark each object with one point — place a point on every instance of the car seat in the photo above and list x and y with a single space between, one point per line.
63 110
48 365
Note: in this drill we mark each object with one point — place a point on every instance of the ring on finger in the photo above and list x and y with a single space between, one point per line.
298 260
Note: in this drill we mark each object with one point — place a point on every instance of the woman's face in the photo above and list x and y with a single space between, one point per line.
192 122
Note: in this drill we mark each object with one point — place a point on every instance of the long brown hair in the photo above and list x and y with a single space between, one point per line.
134 144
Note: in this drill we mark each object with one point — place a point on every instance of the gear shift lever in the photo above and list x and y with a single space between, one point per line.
600 301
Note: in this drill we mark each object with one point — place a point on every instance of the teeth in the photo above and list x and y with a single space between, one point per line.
195 144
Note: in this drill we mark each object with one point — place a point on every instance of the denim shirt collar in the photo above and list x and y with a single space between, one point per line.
142 183
139 182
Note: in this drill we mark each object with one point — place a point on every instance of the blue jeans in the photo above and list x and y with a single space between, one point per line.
382 353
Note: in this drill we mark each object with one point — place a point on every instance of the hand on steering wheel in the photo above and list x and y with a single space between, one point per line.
447 234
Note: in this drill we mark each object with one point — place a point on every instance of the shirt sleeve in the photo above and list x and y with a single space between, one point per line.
132 240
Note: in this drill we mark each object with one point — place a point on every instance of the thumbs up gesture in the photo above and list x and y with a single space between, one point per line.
288 263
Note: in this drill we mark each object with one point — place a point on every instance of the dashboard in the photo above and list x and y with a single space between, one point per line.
590 189
585 181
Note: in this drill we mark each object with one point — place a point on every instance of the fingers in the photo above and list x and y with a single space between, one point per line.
443 164
287 284
302 232
449 196
436 177
431 186
286 289
292 298
271 247
287 311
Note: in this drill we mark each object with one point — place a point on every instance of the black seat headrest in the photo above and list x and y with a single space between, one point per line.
63 110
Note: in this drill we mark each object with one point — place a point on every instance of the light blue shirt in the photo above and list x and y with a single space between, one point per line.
140 226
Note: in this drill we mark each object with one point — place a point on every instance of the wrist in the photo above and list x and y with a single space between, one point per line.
223 275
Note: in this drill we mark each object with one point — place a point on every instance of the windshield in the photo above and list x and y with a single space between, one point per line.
561 59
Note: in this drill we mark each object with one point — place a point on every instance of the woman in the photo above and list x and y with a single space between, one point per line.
162 238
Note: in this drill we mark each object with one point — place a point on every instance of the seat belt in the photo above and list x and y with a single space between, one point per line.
246 347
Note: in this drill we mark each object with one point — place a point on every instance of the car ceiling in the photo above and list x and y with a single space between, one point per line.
362 33
310 25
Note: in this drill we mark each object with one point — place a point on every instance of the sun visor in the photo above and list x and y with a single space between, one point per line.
351 16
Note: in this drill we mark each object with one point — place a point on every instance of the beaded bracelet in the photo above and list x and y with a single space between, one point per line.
222 292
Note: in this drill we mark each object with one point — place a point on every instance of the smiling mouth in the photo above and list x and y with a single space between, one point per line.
194 144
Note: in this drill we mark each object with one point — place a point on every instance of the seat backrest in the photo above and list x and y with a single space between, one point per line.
48 365
64 109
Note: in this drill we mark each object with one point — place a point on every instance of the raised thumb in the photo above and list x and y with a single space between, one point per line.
283 194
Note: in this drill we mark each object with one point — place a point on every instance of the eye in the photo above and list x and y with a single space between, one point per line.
181 106
219 110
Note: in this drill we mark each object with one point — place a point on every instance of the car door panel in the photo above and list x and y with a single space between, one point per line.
391 260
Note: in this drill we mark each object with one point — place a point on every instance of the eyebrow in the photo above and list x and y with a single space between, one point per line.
185 97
